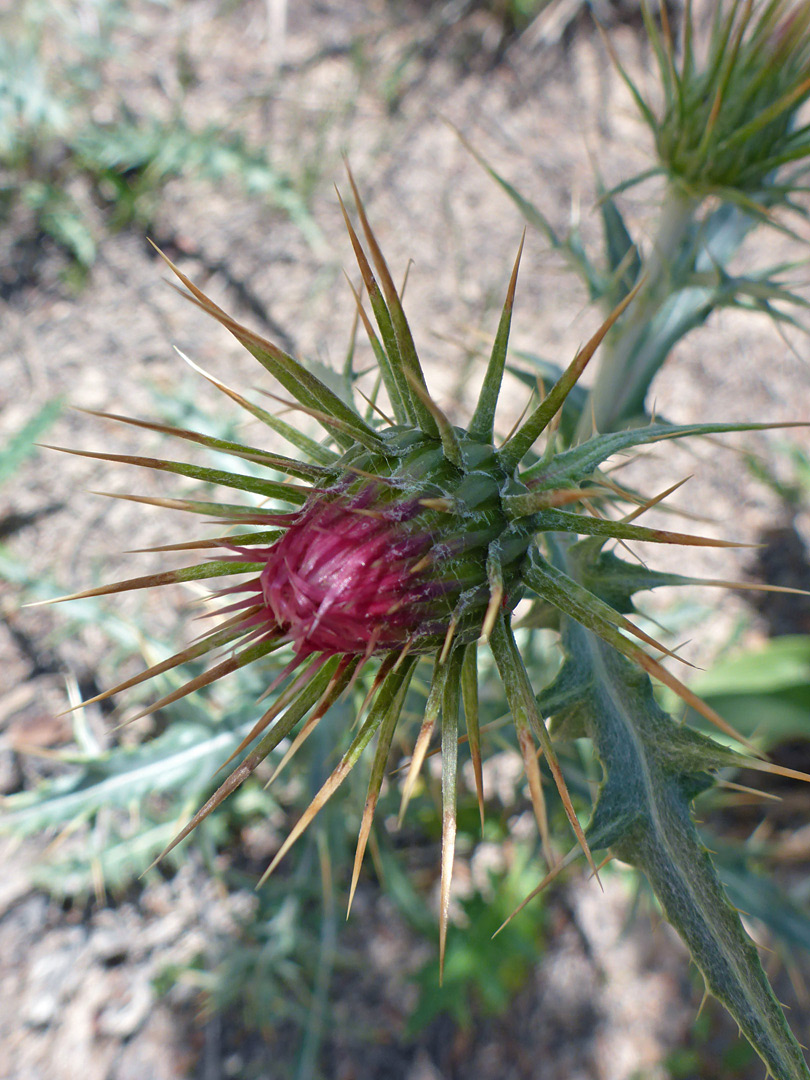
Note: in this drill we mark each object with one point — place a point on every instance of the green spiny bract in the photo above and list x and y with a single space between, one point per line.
410 539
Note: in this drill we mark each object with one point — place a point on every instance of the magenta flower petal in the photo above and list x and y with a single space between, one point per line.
342 580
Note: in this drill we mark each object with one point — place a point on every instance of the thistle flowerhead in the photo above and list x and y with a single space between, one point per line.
345 578
370 565
405 543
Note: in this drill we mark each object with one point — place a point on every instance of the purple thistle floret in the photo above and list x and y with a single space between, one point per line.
345 578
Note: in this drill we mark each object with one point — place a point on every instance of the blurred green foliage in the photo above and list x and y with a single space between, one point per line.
763 692
709 1052
22 443
486 962
60 163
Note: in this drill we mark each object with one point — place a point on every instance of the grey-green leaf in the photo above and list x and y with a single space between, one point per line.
653 769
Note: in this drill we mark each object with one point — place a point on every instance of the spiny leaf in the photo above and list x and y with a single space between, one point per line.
215 640
260 457
293 493
552 875
297 710
564 521
568 247
331 423
340 681
616 581
432 708
408 356
469 697
232 512
513 451
624 260
450 443
483 419
226 667
541 578
380 355
384 739
236 540
522 702
294 377
288 695
662 46
496 590
544 373
315 451
531 767
390 696
642 105
654 500
574 465
653 769
165 577
450 705
561 590
389 358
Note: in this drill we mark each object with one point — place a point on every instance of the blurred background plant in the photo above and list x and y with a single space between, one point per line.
114 799
732 147
728 122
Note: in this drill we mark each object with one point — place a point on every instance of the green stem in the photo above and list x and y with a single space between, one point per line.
620 375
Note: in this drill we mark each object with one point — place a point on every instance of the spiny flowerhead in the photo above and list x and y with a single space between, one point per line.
372 565
728 120
346 578
405 541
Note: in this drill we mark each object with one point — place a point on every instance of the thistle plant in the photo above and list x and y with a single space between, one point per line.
731 151
403 542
